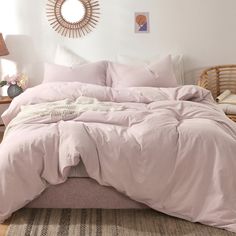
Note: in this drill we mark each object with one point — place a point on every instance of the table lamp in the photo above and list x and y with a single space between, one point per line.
3 48
3 52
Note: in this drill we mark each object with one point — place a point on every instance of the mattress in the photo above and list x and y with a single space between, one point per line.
78 171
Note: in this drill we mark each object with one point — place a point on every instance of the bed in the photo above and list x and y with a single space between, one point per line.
120 143
68 194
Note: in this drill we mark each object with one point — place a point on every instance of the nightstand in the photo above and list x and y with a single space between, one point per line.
4 104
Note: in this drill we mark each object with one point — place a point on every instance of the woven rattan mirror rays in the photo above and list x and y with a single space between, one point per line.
88 16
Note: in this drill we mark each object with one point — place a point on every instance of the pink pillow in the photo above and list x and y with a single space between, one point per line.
158 74
91 73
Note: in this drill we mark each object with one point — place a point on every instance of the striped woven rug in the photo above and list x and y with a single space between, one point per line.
37 222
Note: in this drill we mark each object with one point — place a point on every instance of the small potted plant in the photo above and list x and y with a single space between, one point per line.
16 83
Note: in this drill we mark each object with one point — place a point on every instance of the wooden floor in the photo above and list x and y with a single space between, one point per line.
3 227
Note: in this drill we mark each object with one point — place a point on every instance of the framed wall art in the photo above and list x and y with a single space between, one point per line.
142 23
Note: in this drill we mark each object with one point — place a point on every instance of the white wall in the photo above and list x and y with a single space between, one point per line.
203 30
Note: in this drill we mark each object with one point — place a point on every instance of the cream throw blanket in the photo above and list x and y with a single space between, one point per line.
62 110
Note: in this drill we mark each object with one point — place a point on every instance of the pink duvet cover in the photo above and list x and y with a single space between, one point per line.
171 149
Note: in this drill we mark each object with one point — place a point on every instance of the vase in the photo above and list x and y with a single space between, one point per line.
14 90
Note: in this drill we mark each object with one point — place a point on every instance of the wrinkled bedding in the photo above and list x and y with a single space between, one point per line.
172 149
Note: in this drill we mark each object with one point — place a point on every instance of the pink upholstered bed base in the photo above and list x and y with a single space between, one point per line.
83 193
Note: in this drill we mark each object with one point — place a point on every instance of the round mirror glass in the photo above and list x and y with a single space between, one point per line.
73 10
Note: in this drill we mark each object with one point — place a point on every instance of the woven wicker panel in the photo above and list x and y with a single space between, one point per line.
232 117
218 79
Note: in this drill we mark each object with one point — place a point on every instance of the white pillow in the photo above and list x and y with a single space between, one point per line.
177 60
65 57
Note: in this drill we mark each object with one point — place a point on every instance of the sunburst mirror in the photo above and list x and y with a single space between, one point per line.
73 18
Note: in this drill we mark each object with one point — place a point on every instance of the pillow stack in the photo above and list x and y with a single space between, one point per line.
69 67
177 64
158 74
90 73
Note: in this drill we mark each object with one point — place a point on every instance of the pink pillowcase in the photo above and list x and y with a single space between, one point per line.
91 73
159 74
